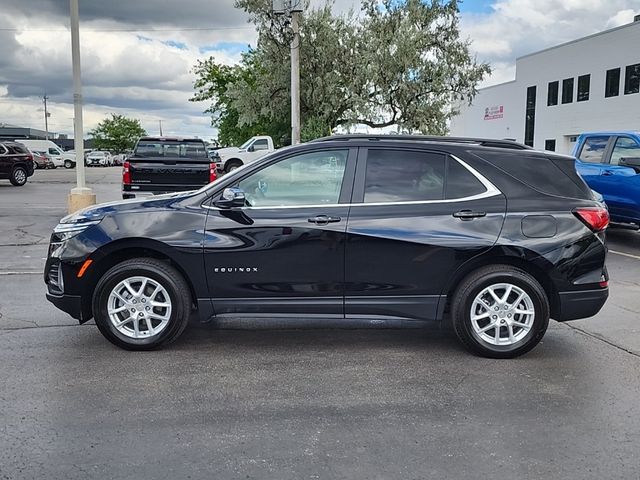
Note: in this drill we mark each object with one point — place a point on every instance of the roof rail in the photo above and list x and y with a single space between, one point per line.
484 142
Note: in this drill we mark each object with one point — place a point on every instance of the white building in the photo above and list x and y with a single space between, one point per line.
589 84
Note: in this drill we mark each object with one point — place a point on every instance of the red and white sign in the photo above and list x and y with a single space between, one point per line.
493 113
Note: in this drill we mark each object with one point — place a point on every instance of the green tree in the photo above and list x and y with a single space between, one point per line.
400 62
117 134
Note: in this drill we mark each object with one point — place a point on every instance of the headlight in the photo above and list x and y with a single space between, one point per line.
65 231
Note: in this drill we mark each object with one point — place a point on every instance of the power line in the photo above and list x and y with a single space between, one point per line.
137 29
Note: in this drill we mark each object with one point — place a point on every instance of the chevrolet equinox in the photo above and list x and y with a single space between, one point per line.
491 236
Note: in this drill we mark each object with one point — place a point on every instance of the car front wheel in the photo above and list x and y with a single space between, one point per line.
142 304
500 312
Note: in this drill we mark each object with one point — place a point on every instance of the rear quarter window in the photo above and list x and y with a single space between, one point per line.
21 149
541 173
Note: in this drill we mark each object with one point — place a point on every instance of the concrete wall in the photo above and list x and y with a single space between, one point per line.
593 55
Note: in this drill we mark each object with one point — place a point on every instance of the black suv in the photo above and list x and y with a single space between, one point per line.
166 164
490 235
16 163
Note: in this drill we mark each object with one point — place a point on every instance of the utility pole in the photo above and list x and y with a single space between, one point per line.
293 8
160 122
80 196
46 117
295 75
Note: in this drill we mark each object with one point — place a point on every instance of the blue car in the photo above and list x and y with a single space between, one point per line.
610 164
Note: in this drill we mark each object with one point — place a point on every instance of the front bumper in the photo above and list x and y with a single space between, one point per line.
581 304
70 304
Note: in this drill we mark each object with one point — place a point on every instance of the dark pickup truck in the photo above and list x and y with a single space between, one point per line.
166 164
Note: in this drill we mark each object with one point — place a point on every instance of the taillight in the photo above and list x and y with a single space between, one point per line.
596 218
126 174
212 172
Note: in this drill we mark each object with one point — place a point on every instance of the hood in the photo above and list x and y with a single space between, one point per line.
227 151
98 212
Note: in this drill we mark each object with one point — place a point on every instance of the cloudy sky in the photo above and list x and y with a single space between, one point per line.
137 56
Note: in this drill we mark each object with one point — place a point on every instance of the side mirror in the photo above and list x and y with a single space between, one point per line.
633 162
251 148
231 197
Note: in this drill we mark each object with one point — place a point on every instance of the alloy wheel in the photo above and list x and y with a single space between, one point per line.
139 307
502 314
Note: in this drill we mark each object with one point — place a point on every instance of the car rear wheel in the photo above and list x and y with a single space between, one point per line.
500 312
18 176
142 304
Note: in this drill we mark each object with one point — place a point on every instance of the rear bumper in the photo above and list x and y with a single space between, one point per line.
581 304
132 191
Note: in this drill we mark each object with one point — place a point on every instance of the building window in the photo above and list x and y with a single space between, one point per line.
550 145
632 79
552 93
530 116
567 90
612 85
584 85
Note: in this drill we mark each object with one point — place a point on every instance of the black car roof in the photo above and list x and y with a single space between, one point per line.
462 141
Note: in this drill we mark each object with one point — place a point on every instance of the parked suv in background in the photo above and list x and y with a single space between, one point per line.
166 164
488 235
98 158
16 163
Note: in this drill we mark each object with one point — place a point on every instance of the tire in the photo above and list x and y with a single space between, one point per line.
18 177
35 166
169 322
232 165
507 339
68 164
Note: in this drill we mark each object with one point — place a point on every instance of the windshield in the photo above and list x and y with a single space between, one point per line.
246 144
154 148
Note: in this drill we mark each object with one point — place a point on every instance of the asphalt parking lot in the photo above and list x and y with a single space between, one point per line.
252 400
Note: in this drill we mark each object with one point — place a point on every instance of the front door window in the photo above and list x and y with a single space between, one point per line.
313 178
625 148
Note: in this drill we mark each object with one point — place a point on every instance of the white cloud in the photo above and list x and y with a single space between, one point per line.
517 27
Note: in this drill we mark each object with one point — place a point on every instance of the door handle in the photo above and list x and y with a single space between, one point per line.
469 214
323 219
607 173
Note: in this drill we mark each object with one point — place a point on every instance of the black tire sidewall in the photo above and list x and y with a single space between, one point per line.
101 296
538 297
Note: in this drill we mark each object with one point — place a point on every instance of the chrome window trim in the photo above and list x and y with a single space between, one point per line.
491 191
6 150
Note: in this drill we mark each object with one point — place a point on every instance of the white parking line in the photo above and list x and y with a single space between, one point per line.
20 273
637 257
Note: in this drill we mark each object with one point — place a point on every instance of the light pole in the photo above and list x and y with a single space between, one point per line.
295 75
46 117
293 8
80 196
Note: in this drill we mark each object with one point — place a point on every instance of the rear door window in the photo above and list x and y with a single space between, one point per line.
460 182
403 176
593 149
